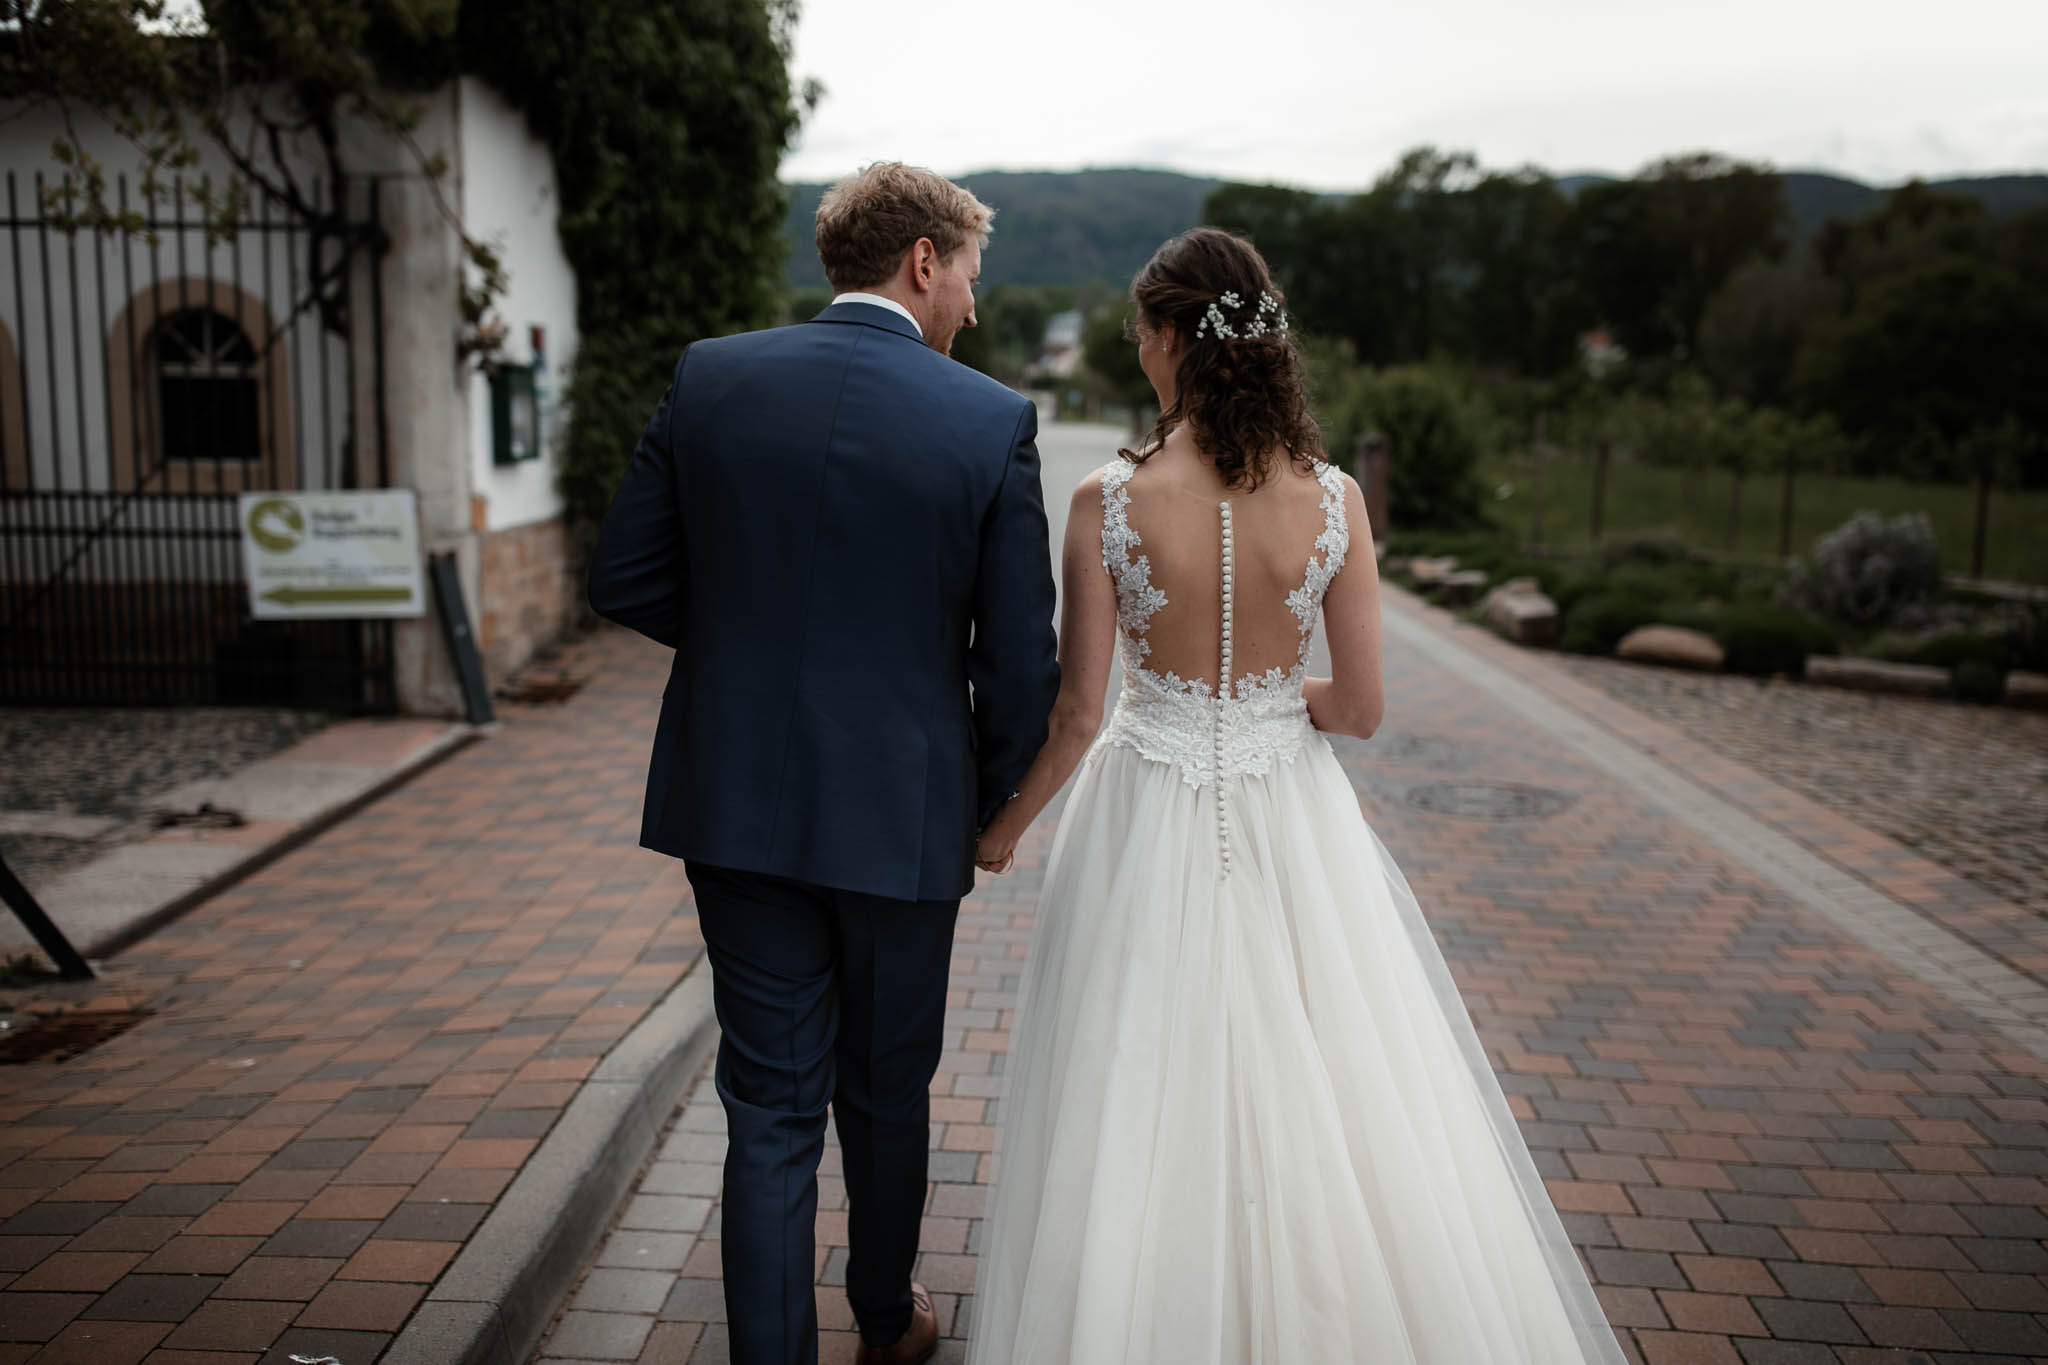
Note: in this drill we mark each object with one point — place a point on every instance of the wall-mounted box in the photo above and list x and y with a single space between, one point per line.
515 415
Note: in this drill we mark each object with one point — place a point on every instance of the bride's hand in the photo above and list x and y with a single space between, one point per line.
996 849
992 854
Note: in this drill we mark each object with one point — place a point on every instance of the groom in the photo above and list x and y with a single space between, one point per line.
841 533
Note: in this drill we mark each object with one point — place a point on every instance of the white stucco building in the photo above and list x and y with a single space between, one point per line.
148 378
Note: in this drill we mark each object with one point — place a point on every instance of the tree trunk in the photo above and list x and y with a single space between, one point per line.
1600 454
1983 524
1785 508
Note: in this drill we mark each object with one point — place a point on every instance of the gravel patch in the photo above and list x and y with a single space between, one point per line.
1965 786
112 761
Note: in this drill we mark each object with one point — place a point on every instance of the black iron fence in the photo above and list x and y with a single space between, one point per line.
148 377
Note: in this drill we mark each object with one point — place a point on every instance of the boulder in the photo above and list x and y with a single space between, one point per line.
1875 675
1674 645
1428 572
2027 689
1520 611
1461 587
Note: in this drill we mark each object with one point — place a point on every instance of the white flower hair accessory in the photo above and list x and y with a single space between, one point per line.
1213 320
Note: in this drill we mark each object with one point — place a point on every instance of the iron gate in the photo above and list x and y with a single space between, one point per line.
147 378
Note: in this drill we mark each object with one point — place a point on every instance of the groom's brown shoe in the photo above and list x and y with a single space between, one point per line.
918 1344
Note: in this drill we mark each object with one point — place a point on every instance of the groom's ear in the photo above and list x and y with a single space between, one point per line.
924 263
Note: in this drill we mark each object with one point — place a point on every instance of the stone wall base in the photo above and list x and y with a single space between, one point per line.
529 592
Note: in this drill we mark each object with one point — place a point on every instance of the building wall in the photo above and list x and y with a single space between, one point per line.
502 524
509 198
529 592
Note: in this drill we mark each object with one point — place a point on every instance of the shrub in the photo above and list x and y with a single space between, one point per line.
1653 549
1978 680
1762 640
1869 571
1433 432
1942 651
1594 624
2026 637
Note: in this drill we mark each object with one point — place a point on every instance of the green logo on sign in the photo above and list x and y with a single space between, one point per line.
277 524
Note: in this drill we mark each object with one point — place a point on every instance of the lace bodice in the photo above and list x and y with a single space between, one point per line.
1261 718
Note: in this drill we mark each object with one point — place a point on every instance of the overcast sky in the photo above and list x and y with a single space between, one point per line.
1327 94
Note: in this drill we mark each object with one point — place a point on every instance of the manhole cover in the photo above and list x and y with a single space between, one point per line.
55 1037
1487 800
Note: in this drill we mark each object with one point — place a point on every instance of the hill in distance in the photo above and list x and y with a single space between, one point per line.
1076 227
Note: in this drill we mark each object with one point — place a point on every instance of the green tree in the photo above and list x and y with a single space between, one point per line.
1943 348
1113 364
1520 307
1654 250
1754 325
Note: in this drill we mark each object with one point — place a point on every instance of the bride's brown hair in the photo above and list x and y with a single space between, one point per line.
1244 398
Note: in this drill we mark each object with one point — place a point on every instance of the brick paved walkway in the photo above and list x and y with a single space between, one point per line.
352 1054
1773 1144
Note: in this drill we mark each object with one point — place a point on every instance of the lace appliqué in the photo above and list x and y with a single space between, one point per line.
1137 601
1171 719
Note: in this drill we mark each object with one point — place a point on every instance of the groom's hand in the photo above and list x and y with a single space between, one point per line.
996 849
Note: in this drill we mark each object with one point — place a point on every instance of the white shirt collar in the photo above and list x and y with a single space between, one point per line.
880 301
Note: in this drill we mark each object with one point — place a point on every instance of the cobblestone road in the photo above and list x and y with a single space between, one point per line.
1965 785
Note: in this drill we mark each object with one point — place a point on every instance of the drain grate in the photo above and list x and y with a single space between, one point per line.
1487 800
57 1037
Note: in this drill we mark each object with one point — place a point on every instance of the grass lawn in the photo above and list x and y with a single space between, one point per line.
1646 499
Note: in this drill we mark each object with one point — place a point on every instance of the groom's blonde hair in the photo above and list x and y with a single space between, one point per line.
868 220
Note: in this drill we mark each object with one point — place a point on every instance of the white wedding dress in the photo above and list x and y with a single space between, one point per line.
1247 1118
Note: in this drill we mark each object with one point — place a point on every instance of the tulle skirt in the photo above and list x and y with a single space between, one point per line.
1247 1119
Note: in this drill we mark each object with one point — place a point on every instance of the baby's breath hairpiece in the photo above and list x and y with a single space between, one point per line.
1213 319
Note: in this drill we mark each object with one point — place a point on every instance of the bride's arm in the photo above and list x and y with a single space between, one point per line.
1087 643
1351 701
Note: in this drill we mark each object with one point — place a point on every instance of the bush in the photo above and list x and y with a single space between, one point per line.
2026 638
1763 640
1869 571
1652 549
1594 624
1941 651
1978 680
1433 432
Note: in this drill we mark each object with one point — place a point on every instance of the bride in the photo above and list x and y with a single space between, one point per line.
1248 1119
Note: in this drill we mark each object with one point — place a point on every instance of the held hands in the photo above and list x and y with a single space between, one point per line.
996 849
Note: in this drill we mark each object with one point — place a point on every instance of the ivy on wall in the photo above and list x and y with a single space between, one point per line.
667 120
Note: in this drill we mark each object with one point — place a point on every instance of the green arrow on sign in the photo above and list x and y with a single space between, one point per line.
292 597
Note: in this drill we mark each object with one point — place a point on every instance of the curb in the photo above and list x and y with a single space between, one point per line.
495 1301
455 738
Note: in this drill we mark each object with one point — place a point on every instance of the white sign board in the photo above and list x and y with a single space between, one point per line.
332 554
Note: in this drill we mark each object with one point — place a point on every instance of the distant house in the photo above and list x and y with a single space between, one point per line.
1059 353
147 379
1599 352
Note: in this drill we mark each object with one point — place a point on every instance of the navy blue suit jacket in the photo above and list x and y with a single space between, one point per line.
841 533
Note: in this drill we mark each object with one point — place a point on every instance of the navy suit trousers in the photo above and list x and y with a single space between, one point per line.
825 998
